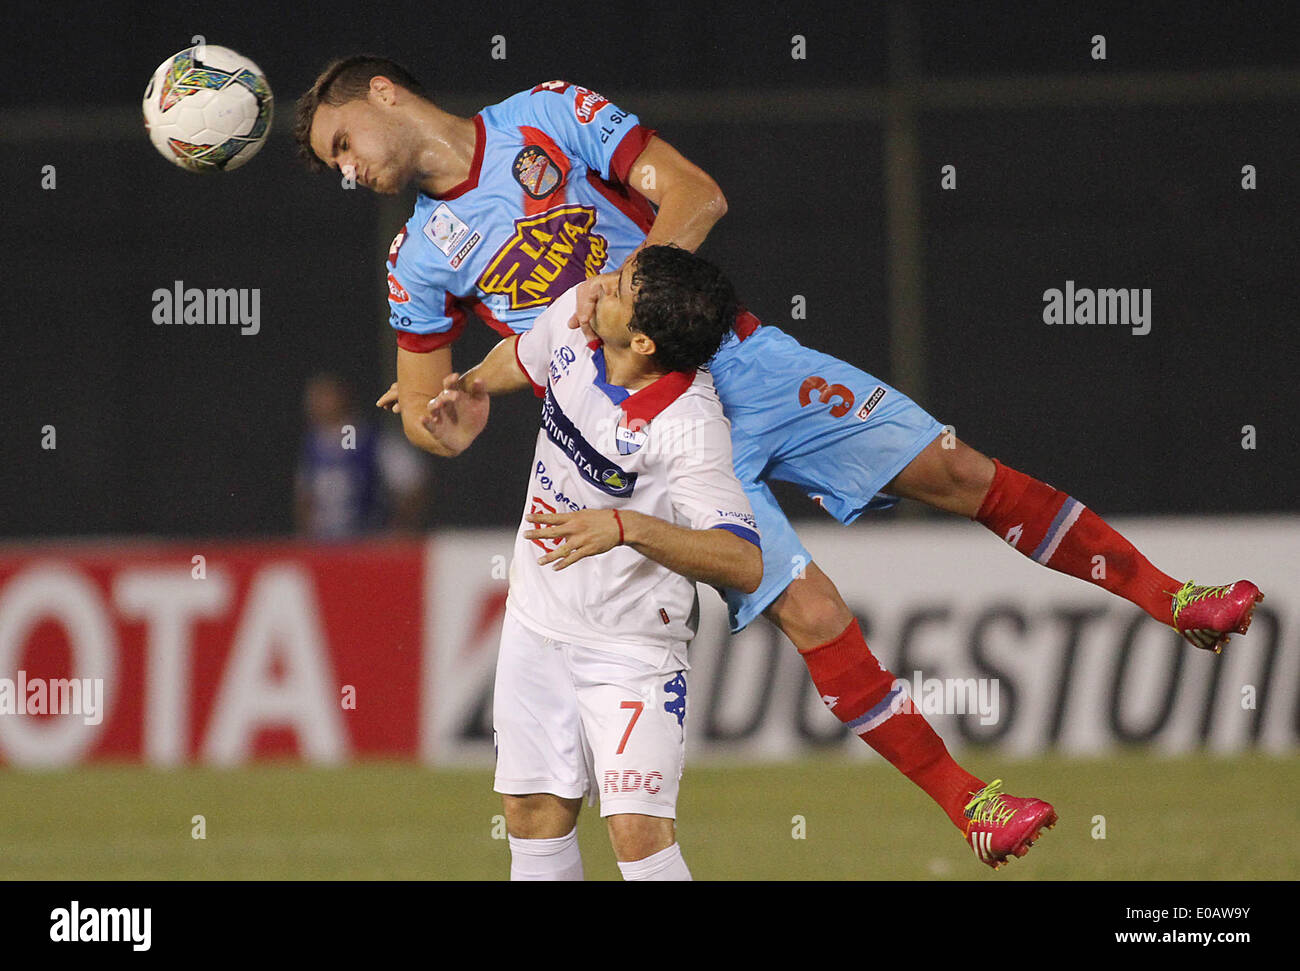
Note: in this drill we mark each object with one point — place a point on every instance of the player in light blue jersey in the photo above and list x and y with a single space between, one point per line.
556 185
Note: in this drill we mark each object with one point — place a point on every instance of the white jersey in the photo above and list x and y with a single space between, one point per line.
664 450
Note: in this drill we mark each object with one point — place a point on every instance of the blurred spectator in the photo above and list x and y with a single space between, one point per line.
352 477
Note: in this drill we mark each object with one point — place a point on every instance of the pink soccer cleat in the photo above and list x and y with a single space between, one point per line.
1004 826
1205 616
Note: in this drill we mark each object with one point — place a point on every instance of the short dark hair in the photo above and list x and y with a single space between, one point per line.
683 303
343 80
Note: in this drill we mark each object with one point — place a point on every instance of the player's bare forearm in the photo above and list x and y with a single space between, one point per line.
420 379
459 413
686 216
712 556
690 203
499 372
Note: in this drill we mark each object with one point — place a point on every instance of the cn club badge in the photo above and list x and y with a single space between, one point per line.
630 436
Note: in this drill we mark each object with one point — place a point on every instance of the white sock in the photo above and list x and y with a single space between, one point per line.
664 865
556 859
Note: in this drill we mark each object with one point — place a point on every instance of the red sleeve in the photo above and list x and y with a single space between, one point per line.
629 150
424 343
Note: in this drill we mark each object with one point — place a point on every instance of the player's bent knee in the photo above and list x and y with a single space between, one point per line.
810 611
540 815
970 469
635 836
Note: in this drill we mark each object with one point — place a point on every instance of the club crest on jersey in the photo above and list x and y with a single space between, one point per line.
630 436
548 254
536 171
451 235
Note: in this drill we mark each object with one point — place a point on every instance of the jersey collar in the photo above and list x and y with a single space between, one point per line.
647 403
471 181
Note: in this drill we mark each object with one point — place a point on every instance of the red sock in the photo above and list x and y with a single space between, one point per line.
1060 532
859 692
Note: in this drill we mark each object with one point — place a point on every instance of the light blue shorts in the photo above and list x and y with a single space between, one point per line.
801 416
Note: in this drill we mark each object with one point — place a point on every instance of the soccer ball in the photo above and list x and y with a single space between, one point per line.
208 109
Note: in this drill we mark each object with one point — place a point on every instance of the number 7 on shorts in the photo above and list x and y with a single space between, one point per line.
637 707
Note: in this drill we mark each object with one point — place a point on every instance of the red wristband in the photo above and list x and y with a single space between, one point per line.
619 519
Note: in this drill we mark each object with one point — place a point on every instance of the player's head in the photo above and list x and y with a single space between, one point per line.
356 115
669 304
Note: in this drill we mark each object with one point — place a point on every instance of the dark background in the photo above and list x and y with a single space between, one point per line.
192 431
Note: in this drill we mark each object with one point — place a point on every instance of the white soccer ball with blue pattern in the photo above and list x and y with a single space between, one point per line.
208 109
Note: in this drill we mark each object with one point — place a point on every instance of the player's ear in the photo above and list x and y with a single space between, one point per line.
642 344
382 90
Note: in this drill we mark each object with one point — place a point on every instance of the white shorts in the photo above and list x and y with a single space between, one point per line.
573 721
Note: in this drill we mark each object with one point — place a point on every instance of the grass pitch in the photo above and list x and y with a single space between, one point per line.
1186 819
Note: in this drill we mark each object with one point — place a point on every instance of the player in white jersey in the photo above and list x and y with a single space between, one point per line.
632 465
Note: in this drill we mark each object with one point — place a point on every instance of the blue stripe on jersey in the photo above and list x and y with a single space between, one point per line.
594 467
614 392
745 534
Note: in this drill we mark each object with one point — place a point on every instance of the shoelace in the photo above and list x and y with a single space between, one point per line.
987 806
1190 593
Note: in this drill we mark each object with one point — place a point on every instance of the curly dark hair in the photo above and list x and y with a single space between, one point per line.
683 303
343 80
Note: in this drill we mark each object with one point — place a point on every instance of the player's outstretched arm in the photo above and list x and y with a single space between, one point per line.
456 416
712 556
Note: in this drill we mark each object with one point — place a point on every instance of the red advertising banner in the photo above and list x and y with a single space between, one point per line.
221 654
210 653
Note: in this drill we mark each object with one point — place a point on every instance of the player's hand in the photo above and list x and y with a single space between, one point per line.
588 294
588 532
389 400
456 416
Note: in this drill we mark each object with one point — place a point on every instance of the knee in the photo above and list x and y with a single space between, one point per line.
540 816
969 475
810 611
635 837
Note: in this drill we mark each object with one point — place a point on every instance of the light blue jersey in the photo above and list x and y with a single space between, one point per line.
547 204
544 207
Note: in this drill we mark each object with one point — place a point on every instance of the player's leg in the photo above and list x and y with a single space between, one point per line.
636 836
853 684
542 830
861 692
803 416
541 769
633 717
540 815
1057 531
784 401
